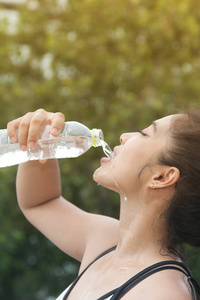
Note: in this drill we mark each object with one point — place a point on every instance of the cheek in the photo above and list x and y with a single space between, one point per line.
121 173
126 171
124 176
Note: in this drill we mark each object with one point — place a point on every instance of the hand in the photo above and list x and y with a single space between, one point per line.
29 127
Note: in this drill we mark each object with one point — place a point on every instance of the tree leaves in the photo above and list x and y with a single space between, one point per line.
115 65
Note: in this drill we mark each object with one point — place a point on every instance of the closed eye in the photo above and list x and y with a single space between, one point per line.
142 132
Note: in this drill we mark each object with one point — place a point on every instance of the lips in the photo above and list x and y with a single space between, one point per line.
106 159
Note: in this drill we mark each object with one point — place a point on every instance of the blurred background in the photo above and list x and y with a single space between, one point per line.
110 64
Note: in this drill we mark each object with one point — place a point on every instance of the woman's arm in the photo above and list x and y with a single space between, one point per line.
39 196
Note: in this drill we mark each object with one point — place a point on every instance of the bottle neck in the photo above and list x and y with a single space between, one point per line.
97 137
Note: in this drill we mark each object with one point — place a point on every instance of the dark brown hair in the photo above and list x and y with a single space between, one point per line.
183 214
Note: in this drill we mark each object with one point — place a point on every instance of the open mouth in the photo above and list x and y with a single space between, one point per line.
112 155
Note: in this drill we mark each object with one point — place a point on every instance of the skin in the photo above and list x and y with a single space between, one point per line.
83 235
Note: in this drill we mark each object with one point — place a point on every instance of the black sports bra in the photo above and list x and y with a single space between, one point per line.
119 292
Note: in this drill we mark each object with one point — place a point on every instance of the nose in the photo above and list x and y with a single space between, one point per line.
125 137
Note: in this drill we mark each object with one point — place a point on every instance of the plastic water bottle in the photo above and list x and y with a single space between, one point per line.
74 140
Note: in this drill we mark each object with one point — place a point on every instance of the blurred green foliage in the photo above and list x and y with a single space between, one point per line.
115 65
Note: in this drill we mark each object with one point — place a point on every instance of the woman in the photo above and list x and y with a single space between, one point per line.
156 173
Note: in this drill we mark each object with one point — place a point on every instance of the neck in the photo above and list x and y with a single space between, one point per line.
140 230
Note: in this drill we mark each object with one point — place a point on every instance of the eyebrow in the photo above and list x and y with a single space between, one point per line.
154 126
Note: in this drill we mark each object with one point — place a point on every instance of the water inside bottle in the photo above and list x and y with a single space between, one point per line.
61 147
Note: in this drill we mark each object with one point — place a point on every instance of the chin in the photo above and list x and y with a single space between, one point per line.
99 176
104 178
95 175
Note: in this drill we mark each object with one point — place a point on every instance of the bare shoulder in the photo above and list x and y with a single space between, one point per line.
172 290
165 285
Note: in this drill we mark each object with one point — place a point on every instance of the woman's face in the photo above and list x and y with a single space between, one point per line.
120 173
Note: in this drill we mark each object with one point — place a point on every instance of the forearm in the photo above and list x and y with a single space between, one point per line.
37 183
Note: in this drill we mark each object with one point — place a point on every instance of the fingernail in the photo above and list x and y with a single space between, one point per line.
31 144
13 139
23 147
54 130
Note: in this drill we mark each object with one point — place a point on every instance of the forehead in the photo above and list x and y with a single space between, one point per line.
162 126
165 121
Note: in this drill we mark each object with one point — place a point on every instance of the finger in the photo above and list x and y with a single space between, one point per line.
48 116
23 130
57 123
37 121
12 127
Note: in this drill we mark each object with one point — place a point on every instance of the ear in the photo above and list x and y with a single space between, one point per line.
166 177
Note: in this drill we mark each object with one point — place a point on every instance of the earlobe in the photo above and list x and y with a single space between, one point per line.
169 176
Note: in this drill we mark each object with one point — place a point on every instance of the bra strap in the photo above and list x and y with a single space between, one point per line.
77 279
129 284
126 288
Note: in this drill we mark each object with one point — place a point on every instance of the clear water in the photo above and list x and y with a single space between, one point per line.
106 148
61 147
